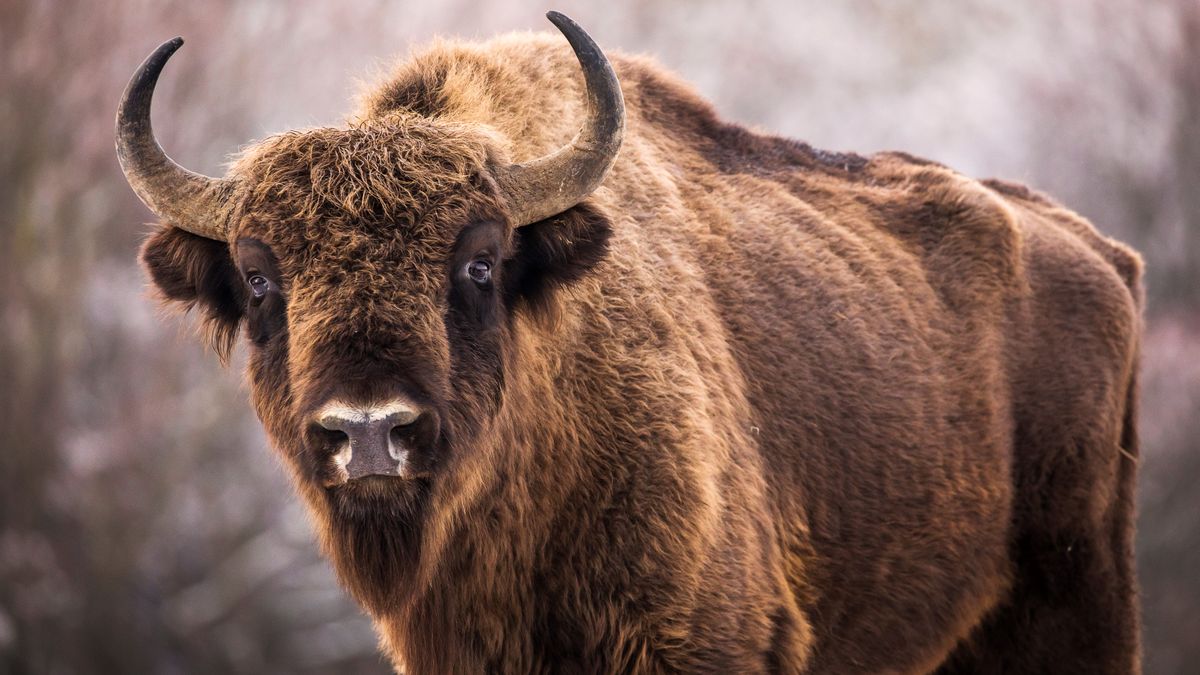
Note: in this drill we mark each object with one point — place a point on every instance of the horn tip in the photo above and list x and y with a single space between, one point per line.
558 18
166 49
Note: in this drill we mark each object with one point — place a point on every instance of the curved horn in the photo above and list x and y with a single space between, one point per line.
552 184
187 200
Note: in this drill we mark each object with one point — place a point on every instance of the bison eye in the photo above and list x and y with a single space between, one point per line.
480 271
258 285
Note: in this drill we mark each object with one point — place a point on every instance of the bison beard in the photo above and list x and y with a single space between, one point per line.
376 524
720 403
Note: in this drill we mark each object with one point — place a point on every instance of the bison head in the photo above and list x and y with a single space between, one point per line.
376 270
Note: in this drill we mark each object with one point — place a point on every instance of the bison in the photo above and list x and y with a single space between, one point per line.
575 376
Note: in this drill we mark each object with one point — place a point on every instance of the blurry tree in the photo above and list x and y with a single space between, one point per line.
142 526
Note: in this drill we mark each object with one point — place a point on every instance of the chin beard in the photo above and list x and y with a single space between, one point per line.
376 527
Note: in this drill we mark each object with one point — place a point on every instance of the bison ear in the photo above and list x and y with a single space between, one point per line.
555 252
192 271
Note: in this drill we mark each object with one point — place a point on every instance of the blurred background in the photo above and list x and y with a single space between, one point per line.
144 524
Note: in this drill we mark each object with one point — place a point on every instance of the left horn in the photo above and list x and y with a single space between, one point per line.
187 200
554 183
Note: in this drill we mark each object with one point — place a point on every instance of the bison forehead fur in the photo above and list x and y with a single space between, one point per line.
750 406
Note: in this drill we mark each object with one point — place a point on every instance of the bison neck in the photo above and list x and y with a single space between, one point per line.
591 523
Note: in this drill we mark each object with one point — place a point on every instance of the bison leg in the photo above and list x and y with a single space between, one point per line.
1073 604
1072 610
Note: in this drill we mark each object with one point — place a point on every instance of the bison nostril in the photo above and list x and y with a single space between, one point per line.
330 438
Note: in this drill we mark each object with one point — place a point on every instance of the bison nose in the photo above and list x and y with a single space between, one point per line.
370 446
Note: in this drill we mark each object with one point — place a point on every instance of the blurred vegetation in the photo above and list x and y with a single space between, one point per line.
144 526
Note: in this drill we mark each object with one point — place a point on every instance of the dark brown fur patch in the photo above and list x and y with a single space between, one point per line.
195 271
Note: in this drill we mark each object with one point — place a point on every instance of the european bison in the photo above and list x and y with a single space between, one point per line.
673 396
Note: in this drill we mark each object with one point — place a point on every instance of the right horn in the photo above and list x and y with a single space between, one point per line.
552 184
187 200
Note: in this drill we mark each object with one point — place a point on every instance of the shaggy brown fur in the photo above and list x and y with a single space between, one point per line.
750 407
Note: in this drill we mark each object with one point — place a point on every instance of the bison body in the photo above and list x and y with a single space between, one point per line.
747 407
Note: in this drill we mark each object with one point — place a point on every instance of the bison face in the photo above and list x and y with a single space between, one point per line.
379 285
382 273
